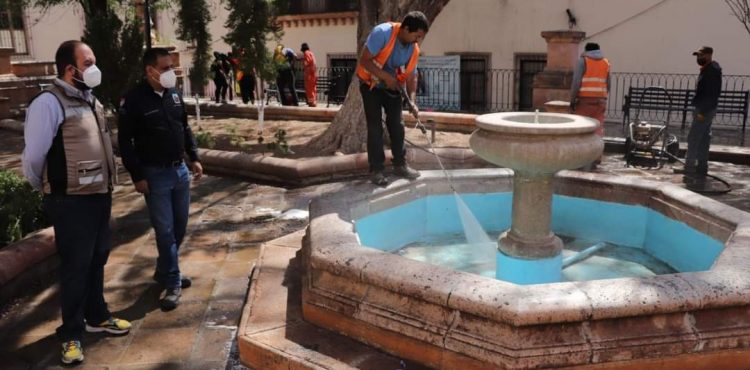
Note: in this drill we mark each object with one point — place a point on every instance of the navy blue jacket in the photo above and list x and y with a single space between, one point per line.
153 130
708 89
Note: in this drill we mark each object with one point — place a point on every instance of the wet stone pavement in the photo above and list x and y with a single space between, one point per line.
229 219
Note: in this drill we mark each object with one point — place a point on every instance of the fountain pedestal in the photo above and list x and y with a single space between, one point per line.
535 146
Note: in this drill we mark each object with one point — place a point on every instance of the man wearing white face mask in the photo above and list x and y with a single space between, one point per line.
68 156
154 139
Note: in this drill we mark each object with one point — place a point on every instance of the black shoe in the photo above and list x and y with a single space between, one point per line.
378 178
171 299
406 172
185 282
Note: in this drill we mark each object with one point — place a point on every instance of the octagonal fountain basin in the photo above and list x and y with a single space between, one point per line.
627 240
671 281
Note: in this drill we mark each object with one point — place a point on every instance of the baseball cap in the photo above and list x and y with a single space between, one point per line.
704 50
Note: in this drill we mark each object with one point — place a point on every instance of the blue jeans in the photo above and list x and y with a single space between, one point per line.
699 142
168 203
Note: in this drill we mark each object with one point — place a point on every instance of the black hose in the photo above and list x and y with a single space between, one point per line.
705 191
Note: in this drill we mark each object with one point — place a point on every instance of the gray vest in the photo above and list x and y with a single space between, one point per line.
80 160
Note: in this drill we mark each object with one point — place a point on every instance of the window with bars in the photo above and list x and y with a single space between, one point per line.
474 68
13 29
528 64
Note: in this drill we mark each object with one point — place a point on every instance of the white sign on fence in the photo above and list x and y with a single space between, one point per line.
439 82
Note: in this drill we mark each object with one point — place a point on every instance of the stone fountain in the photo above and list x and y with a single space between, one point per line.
451 319
536 146
697 318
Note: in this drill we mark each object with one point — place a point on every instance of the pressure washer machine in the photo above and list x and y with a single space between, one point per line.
649 144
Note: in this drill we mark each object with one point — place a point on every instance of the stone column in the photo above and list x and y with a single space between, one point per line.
529 252
562 53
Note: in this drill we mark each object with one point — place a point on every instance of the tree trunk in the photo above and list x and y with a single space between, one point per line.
348 131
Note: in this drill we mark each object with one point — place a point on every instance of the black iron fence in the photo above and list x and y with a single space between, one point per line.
621 83
499 90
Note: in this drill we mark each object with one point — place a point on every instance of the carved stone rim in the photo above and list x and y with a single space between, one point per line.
334 247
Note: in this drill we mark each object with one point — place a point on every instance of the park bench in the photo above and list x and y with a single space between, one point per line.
730 102
325 87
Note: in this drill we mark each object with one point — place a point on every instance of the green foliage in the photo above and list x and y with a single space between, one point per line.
193 17
251 24
118 46
20 208
280 145
204 139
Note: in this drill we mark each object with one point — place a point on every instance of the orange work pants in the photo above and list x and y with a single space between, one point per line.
593 108
311 88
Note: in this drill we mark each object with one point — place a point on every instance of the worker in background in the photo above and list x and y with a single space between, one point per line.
310 73
590 88
706 99
283 60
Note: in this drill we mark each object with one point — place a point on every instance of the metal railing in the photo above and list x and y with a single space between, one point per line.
499 90
621 82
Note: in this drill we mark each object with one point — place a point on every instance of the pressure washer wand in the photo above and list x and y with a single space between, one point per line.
413 110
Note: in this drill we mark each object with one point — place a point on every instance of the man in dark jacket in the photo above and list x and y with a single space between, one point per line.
155 138
705 101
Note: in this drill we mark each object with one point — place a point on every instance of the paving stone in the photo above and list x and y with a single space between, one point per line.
103 349
211 252
200 290
230 288
208 365
201 269
10 361
213 344
243 252
132 301
159 346
40 320
138 271
186 315
236 270
39 350
153 366
148 249
224 313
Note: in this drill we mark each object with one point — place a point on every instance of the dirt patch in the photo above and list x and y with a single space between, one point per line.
240 134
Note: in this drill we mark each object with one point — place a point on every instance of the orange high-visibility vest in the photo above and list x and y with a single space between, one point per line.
594 82
382 58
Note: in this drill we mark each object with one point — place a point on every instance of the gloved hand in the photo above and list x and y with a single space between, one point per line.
413 109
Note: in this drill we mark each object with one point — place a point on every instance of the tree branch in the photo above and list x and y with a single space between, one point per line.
741 11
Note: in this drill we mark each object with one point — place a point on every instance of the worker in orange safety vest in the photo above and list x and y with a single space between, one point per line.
388 63
590 87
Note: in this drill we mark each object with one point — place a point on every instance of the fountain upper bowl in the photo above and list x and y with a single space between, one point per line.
558 142
548 123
